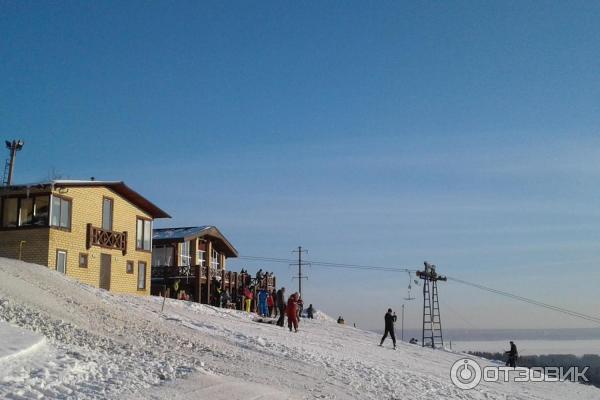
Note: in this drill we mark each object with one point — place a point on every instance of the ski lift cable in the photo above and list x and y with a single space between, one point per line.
565 311
572 313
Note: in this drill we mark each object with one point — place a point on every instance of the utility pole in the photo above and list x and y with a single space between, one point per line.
14 146
402 334
300 264
432 322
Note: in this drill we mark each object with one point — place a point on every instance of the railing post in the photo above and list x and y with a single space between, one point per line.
88 238
124 243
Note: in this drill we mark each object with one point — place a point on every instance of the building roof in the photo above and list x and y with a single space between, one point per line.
118 187
169 235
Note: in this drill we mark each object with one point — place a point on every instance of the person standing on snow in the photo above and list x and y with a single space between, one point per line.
292 312
513 354
309 312
281 306
275 306
248 300
389 327
262 303
270 302
300 305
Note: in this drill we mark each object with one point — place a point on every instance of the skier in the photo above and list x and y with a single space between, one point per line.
292 312
270 303
309 312
225 299
275 305
262 302
248 300
513 354
281 306
389 327
300 304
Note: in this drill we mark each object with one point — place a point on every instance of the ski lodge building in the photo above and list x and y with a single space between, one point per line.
194 259
99 232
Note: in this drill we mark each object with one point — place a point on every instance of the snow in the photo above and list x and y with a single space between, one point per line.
17 342
104 345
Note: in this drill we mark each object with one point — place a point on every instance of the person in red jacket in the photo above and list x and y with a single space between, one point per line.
270 304
249 295
292 312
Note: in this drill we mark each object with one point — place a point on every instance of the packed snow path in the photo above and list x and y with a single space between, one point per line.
101 345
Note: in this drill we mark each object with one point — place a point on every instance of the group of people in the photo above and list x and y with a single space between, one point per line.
292 308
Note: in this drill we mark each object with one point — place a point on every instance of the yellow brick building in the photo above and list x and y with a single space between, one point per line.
95 231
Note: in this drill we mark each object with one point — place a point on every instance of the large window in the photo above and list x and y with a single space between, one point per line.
184 254
10 213
162 256
61 212
215 261
141 276
201 258
143 237
107 214
25 211
41 210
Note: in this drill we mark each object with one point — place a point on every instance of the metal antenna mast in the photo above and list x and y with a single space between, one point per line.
14 146
300 264
432 322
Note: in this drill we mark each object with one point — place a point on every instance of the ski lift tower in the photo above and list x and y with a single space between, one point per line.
432 322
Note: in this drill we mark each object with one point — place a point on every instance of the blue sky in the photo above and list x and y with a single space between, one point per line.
379 133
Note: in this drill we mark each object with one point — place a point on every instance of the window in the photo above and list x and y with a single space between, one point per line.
10 213
162 256
107 214
83 260
61 212
26 212
141 276
184 254
61 261
215 262
41 210
201 258
143 240
129 267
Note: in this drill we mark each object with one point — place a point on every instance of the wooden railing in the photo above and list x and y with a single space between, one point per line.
107 239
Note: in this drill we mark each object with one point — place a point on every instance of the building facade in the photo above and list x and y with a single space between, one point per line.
95 231
195 258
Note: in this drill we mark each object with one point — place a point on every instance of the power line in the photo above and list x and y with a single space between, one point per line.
328 264
359 267
529 301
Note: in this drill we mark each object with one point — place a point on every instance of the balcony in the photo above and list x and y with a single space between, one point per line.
106 239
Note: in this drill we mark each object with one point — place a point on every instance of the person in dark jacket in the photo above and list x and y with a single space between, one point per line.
309 312
389 327
281 306
513 354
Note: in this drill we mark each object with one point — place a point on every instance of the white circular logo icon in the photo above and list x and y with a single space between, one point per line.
465 374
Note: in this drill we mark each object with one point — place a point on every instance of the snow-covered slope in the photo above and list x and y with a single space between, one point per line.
102 345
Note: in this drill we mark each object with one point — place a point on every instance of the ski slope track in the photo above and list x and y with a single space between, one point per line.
82 342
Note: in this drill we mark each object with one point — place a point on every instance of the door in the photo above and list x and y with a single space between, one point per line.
105 264
61 261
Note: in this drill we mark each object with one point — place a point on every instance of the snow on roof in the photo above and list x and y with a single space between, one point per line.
179 233
190 232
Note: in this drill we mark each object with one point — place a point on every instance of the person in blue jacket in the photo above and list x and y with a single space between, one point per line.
263 308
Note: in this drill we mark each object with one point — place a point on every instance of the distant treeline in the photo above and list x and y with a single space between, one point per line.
554 360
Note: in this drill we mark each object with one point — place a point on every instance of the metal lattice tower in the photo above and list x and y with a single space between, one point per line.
432 321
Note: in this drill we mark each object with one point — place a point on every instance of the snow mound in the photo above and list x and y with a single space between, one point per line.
103 345
16 342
